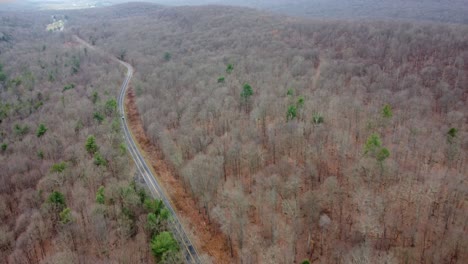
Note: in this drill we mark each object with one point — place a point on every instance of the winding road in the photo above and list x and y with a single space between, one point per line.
189 251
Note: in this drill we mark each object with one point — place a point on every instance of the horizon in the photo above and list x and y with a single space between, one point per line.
455 11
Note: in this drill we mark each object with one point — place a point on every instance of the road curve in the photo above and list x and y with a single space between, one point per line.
189 251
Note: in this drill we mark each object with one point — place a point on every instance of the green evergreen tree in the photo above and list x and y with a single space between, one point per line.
59 167
152 223
122 54
100 197
452 140
300 102
68 87
57 199
373 143
110 107
99 160
229 68
91 146
382 155
65 216
167 56
153 205
163 243
387 111
3 77
317 118
95 97
98 117
452 135
41 130
122 149
20 130
247 91
291 113
374 148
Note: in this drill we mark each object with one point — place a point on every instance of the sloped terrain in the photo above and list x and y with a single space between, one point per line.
332 141
325 140
68 191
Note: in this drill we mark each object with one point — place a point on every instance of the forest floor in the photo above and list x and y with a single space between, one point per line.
208 237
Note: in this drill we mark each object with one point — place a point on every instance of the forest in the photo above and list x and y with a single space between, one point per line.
447 11
295 140
67 192
328 141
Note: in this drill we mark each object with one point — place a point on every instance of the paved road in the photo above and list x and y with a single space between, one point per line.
189 251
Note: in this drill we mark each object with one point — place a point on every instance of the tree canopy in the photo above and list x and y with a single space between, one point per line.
163 243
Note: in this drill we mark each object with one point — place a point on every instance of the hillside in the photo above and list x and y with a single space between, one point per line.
452 11
68 190
446 11
278 139
324 140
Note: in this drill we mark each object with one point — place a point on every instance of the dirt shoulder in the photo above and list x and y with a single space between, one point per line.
208 238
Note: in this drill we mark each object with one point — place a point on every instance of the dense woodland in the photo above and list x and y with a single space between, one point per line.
451 11
67 193
330 141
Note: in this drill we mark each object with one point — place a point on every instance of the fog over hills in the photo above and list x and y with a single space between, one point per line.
435 10
449 11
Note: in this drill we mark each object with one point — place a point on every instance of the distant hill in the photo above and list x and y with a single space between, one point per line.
455 11
447 11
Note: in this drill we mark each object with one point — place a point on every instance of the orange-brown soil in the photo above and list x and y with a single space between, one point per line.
208 237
